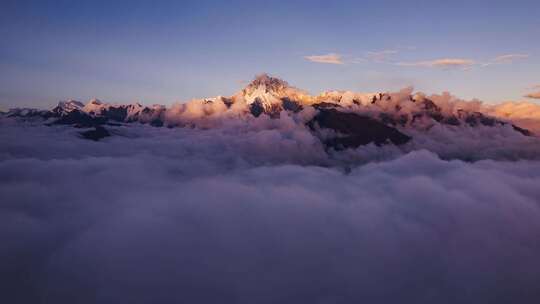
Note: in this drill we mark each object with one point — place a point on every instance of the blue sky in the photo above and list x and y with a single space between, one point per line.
167 51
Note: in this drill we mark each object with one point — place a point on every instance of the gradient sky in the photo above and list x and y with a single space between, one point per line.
166 51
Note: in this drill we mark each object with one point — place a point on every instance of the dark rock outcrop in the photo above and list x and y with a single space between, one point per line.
324 105
116 113
290 105
522 131
256 108
355 130
80 119
98 133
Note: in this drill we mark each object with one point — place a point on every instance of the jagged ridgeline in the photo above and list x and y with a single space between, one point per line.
340 119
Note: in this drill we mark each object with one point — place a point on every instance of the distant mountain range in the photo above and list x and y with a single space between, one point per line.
352 119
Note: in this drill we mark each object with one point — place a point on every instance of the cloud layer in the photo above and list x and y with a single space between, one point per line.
242 214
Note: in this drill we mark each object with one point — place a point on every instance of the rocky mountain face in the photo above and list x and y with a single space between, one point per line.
352 128
65 107
354 119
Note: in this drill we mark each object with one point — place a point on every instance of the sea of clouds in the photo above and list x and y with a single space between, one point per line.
257 211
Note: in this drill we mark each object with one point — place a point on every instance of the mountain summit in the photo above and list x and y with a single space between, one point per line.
271 95
268 84
64 107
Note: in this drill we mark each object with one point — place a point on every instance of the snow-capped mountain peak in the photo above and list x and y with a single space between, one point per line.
270 90
95 107
347 112
71 105
271 95
267 83
67 106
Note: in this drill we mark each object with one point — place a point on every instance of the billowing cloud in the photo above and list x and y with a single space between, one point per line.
168 215
331 58
441 63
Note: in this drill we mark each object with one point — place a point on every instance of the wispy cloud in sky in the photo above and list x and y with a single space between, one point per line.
331 58
380 56
509 58
464 63
506 59
441 63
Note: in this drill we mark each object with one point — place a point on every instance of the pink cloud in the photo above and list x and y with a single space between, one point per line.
330 58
